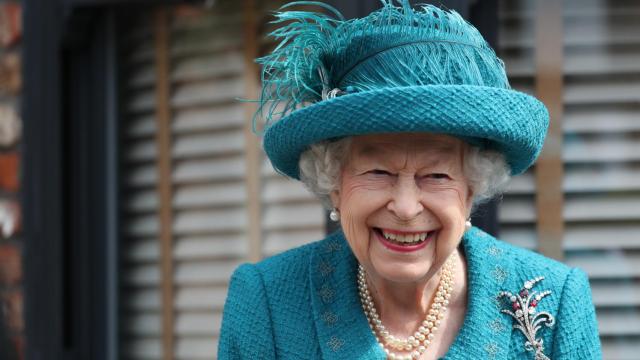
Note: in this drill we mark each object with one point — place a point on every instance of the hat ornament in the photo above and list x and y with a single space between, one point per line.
321 56
401 68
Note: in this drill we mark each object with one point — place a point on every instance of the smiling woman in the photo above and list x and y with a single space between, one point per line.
400 122
392 191
405 200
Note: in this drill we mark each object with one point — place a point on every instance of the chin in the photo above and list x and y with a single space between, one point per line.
402 273
401 267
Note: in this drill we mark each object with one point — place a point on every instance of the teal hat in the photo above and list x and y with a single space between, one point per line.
398 69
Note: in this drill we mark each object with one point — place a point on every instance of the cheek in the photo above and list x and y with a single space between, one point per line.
450 206
361 196
358 202
450 210
356 233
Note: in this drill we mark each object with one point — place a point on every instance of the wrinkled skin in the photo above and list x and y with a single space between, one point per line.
406 183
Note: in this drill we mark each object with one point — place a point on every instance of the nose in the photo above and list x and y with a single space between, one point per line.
405 201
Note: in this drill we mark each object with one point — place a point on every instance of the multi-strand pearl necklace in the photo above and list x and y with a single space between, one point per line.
418 343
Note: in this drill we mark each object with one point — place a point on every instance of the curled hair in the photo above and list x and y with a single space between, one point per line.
486 171
320 167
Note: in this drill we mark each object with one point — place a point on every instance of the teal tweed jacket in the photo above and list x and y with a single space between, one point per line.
303 304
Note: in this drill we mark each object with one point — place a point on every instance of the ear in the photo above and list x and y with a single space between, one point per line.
335 198
469 202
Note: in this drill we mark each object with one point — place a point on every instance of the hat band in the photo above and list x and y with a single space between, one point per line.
402 44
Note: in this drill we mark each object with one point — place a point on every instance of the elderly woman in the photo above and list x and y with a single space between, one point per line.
401 122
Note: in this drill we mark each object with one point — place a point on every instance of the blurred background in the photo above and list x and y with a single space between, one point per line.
131 183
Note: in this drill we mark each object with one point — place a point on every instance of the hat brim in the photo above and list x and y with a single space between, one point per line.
506 120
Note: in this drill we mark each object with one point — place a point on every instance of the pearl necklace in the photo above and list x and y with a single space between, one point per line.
421 339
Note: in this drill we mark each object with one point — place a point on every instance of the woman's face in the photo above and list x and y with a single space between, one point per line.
403 201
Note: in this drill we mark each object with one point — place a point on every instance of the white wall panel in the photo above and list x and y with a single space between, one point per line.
208 118
142 300
143 348
603 118
207 69
201 247
207 170
143 250
517 209
601 151
203 298
195 348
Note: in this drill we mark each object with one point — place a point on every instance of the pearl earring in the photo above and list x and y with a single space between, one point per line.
467 225
334 215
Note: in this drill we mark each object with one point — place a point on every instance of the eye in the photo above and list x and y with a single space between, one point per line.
379 172
437 176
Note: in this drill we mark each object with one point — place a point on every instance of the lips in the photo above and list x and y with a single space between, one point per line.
404 241
404 237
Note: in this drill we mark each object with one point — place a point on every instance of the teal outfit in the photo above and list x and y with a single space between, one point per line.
304 304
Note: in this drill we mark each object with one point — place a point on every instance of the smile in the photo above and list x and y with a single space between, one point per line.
404 241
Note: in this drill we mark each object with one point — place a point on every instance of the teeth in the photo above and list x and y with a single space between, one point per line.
409 238
404 238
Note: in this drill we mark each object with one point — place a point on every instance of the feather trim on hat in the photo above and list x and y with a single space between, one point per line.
319 56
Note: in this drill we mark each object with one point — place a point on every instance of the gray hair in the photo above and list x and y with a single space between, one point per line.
486 171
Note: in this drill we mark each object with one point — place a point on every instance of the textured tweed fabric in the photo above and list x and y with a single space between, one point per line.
399 69
303 304
508 121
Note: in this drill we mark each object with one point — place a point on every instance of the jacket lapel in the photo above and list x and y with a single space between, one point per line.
341 326
486 332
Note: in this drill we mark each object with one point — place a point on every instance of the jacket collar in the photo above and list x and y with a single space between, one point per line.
485 332
342 328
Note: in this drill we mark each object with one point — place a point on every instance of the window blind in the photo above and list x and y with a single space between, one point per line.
601 154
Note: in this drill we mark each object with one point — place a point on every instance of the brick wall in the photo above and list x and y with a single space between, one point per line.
11 290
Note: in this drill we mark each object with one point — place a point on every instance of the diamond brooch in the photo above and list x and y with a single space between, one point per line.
522 308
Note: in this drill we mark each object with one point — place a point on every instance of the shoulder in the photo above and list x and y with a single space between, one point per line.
292 257
289 265
575 333
262 300
519 263
287 269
